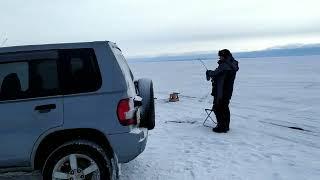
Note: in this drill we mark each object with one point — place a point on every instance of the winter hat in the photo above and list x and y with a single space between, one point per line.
224 53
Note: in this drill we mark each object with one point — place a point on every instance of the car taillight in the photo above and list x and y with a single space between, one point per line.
126 116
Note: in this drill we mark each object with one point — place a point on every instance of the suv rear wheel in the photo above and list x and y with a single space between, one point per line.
78 160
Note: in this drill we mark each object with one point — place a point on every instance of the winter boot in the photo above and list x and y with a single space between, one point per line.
218 129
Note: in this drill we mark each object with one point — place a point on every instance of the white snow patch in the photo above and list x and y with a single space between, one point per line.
270 93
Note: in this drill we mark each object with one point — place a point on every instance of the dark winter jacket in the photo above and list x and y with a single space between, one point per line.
223 79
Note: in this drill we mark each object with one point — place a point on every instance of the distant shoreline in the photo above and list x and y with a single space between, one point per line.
208 59
285 52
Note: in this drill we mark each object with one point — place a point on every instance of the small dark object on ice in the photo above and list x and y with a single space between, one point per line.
174 97
188 122
297 128
290 127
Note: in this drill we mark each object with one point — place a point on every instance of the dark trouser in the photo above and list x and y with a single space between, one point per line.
222 113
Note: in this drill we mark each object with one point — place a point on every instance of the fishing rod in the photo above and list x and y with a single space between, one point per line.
204 65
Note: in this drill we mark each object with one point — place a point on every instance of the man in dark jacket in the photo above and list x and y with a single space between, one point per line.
222 87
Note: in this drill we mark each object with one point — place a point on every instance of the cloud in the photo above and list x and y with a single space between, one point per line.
145 26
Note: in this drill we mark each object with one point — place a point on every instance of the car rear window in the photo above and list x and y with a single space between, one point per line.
124 67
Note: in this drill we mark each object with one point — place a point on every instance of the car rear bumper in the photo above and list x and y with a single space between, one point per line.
128 146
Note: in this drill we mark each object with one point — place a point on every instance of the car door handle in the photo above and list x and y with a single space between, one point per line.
45 108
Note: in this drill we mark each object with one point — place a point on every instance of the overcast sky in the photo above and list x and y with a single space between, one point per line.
152 27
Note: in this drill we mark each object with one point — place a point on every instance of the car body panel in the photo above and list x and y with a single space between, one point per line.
24 129
21 125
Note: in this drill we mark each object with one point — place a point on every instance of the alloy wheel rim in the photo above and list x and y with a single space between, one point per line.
76 167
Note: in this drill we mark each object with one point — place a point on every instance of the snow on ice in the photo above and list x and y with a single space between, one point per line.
271 95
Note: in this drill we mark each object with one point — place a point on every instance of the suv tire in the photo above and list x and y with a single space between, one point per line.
145 90
89 159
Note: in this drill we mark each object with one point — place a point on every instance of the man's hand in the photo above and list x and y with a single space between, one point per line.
208 72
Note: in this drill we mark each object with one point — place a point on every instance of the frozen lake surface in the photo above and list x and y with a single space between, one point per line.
271 94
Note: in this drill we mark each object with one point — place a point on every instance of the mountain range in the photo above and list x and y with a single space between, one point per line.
280 51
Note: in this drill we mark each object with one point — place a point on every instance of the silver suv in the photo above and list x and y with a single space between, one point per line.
71 111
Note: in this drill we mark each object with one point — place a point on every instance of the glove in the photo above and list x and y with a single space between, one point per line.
208 75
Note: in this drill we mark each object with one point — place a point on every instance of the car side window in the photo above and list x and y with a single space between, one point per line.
28 75
81 72
44 78
14 80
